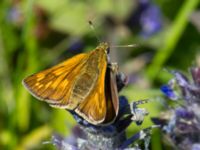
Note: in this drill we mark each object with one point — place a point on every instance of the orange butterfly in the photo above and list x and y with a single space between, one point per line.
85 83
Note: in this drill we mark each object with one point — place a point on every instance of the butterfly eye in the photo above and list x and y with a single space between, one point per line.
108 50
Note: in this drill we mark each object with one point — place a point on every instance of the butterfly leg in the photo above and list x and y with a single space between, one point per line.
113 66
121 78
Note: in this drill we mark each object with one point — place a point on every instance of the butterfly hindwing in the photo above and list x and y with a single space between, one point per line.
111 95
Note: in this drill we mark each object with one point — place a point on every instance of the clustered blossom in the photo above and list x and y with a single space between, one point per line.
182 128
112 136
109 137
147 17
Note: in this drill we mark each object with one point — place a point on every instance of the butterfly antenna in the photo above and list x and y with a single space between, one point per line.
129 46
93 29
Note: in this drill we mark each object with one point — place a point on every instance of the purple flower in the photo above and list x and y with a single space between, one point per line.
168 91
184 113
111 136
196 147
183 123
88 136
14 15
196 76
147 17
150 21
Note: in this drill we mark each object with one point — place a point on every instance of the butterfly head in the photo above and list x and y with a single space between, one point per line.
104 46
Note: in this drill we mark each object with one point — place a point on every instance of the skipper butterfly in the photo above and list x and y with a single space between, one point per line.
85 83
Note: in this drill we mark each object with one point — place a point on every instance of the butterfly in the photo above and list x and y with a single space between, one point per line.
85 84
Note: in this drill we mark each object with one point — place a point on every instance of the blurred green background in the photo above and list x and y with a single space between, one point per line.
37 34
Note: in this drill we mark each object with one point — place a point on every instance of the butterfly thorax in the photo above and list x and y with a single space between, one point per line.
103 47
88 77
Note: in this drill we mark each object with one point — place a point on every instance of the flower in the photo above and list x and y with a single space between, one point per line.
183 125
168 91
88 136
147 17
111 136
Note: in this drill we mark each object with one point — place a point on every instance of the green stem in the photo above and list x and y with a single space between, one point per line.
30 45
172 38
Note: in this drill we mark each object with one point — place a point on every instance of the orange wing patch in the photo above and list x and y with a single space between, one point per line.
93 108
52 85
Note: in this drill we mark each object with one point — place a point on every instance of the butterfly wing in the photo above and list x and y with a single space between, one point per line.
93 108
53 84
111 92
101 106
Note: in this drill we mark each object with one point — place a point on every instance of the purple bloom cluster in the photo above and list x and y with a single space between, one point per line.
182 128
109 137
147 17
15 15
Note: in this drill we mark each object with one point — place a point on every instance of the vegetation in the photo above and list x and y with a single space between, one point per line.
37 34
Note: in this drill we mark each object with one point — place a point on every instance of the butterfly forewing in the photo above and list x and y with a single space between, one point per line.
53 84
